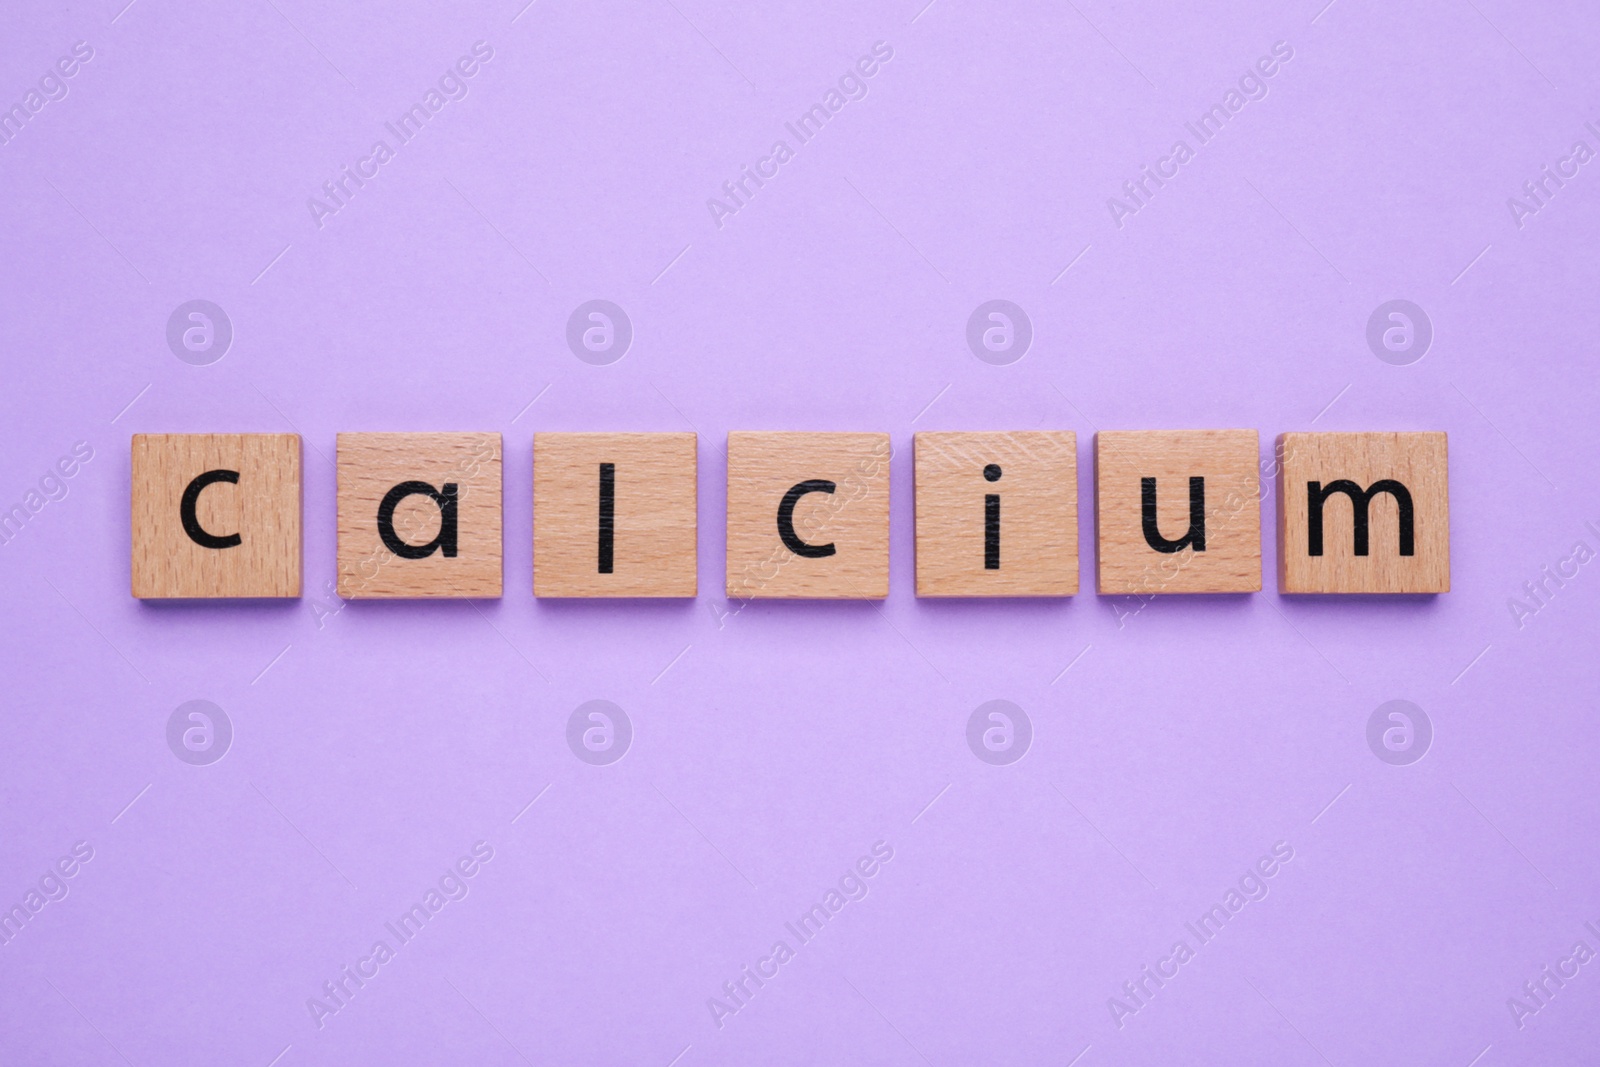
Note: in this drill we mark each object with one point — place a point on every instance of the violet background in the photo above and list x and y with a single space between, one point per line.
773 746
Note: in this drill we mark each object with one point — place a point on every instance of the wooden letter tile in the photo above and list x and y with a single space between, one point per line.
216 515
808 515
1178 511
614 514
419 515
997 514
1363 513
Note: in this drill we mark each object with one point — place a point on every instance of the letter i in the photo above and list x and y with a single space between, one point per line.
991 521
608 514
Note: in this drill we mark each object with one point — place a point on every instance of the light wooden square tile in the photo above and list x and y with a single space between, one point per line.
419 515
1178 511
808 515
997 514
1363 513
216 515
614 515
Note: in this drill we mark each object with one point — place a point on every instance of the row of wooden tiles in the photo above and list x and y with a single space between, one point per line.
615 514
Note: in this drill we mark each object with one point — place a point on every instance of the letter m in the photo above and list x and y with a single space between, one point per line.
1360 499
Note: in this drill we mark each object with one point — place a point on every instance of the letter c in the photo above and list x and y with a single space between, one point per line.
791 540
191 523
764 972
1565 173
1564 972
373 173
763 170
1164 972
366 974
1163 171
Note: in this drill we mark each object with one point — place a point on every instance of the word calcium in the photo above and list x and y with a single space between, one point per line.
616 514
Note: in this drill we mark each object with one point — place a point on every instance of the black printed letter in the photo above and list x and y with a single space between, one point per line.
608 514
791 540
991 521
444 540
1196 537
191 523
1359 500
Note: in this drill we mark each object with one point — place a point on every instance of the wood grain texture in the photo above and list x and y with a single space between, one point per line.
1033 540
652 508
1228 461
370 466
262 508
1417 461
854 518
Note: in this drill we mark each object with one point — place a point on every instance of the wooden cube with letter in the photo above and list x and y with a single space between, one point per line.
997 513
1177 511
216 515
1363 513
808 515
419 515
614 515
